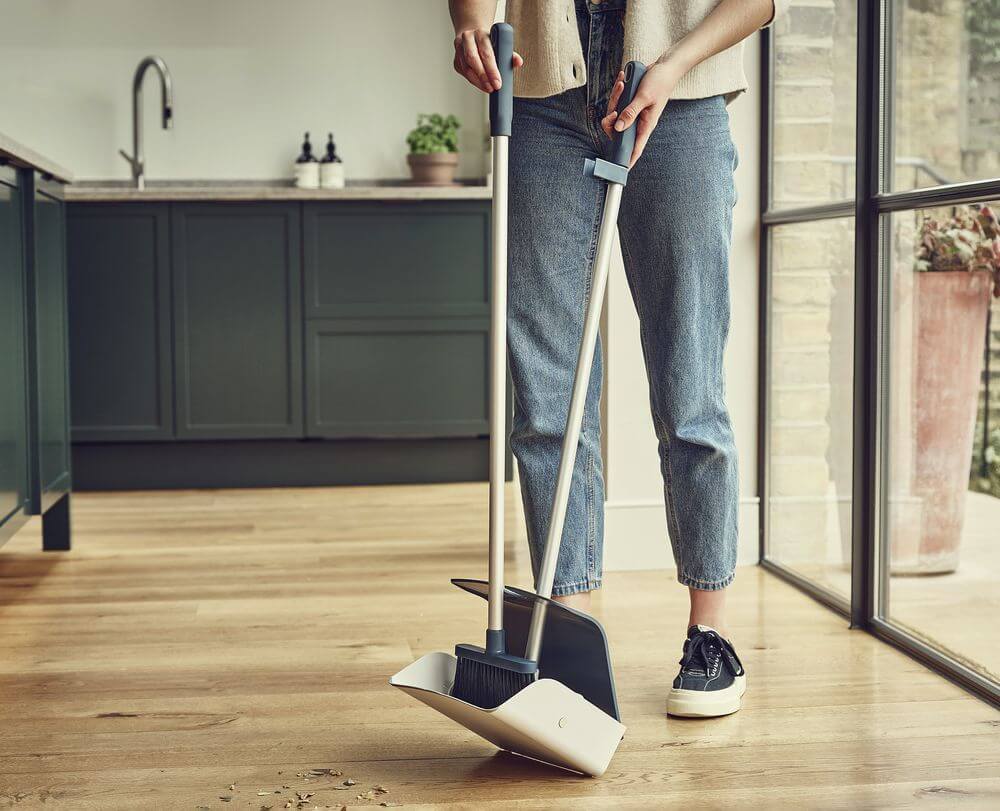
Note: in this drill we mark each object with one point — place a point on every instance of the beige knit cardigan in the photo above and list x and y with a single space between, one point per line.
546 35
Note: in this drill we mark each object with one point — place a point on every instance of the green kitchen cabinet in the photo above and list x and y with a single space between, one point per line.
397 308
210 338
119 317
237 320
13 390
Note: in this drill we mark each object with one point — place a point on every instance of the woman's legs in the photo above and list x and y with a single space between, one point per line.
555 216
675 226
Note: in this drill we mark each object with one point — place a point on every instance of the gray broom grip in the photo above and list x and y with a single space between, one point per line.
574 420
498 384
502 100
624 142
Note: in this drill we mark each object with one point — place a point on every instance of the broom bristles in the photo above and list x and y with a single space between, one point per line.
487 685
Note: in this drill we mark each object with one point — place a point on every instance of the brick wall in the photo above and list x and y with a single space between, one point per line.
938 116
812 283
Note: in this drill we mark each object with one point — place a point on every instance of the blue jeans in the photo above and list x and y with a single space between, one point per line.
675 226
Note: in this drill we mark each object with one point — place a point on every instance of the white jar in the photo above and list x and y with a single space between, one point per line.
331 175
307 175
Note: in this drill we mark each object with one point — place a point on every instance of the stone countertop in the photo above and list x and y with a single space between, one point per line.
264 190
20 155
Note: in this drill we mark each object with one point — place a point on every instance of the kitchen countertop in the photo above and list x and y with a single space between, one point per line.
21 155
263 190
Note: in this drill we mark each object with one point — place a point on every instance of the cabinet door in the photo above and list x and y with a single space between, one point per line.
423 259
119 320
51 355
13 392
397 377
237 320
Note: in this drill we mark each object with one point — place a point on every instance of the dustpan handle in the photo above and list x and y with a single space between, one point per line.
501 106
581 380
574 420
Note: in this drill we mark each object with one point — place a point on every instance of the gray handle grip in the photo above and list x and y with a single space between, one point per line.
624 142
502 100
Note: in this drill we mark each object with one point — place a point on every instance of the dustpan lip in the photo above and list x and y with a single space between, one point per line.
515 697
394 683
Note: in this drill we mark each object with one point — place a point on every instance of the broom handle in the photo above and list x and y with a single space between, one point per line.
501 112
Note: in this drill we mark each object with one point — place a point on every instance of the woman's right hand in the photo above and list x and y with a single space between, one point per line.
475 61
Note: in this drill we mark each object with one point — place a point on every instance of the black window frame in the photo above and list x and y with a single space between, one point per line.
873 203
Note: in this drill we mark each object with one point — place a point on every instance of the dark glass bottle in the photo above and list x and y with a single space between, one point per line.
331 155
307 152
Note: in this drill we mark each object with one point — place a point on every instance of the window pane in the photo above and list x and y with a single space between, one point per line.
814 101
946 110
944 431
811 322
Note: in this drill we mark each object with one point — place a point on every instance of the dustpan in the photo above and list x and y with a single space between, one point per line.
568 717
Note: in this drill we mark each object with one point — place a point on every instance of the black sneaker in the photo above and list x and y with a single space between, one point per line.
712 680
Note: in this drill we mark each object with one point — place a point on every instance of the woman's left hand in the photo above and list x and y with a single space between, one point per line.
652 96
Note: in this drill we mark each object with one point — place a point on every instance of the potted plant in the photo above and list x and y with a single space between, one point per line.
433 145
958 263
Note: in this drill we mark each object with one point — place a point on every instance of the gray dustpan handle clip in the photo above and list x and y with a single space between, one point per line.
615 173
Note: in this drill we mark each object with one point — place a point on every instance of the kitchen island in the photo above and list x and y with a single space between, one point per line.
34 430
234 334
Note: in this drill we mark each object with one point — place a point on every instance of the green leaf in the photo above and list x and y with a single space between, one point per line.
434 133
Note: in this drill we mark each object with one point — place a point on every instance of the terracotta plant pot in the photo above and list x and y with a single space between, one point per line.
433 168
951 329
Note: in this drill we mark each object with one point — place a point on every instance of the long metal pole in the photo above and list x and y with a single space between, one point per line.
574 419
498 381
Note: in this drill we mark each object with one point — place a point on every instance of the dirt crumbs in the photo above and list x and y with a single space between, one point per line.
313 789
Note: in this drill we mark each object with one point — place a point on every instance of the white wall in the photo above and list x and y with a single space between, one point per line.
250 77
636 533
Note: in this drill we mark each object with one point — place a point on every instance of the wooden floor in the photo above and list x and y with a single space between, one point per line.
958 612
220 649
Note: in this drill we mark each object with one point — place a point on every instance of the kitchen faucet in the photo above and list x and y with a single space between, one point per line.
136 160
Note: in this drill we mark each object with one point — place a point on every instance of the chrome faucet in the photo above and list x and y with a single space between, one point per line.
136 160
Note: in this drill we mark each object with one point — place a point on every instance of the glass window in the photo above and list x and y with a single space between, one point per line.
944 430
810 423
814 101
945 110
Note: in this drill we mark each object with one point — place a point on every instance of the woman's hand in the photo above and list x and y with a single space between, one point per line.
654 92
475 61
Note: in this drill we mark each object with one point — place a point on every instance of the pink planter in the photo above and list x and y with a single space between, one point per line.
951 328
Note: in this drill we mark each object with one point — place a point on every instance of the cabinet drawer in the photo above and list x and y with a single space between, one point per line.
400 259
382 378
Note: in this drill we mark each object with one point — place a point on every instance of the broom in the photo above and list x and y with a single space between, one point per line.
488 676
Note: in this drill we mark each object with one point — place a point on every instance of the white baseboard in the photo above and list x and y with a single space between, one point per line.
635 535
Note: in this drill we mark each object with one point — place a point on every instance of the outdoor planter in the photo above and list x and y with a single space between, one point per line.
957 267
951 329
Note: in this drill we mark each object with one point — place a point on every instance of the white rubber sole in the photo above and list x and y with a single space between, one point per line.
699 704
